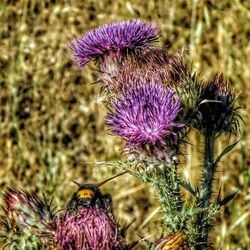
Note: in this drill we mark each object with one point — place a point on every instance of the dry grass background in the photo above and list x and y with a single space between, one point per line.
52 127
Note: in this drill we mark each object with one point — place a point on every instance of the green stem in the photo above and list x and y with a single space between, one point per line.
166 184
209 170
204 199
174 185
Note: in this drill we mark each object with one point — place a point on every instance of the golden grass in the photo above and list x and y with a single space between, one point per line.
52 127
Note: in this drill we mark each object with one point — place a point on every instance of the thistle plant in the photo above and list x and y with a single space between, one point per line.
145 116
215 115
156 100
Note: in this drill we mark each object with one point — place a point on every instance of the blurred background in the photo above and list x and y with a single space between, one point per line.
52 127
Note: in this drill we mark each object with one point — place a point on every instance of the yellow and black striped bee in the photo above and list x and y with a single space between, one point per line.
90 196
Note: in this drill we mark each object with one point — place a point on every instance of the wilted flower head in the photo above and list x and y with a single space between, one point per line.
153 65
216 111
111 41
173 241
145 116
88 229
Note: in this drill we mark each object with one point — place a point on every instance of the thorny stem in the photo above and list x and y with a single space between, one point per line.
174 184
209 170
167 188
204 198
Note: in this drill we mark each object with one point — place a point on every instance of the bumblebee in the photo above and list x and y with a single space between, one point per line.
90 196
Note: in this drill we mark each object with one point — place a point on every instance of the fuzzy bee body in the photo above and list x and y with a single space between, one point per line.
89 196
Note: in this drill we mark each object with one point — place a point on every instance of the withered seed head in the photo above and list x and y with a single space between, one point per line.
154 65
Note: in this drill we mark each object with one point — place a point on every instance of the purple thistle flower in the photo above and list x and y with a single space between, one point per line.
116 38
145 115
88 229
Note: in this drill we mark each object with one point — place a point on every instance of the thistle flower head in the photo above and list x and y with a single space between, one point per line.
145 116
216 111
89 228
115 40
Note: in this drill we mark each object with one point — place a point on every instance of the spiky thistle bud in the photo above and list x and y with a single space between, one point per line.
173 241
89 228
215 107
26 216
26 209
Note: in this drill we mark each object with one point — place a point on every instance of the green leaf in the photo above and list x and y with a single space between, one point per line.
225 151
227 199
209 101
188 187
219 195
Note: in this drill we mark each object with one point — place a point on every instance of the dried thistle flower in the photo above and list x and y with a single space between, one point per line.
173 241
145 116
154 64
88 229
215 107
110 42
